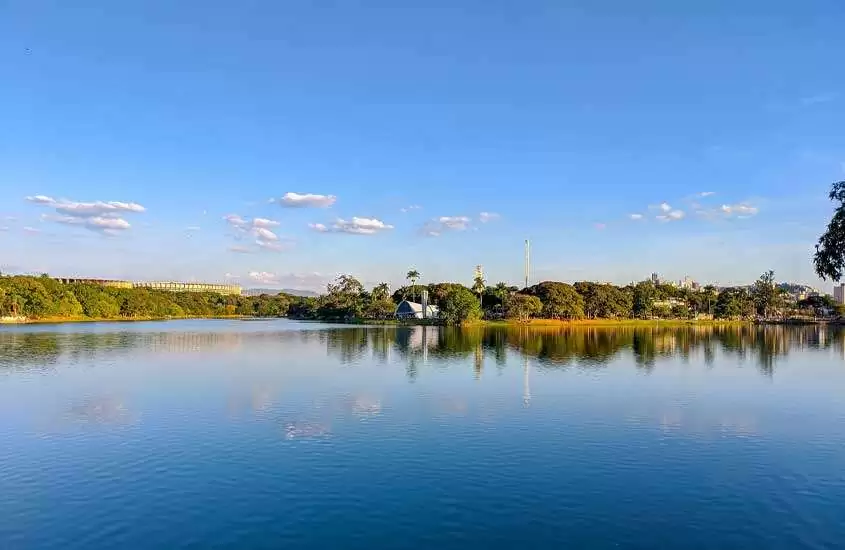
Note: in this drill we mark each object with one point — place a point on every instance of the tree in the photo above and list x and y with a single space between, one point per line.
382 308
643 299
343 300
764 293
680 311
381 292
503 292
413 276
560 300
522 307
478 286
604 301
460 305
734 303
829 259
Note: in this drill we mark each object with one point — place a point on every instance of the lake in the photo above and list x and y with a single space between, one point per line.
278 434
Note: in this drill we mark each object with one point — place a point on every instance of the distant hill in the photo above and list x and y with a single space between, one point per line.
273 291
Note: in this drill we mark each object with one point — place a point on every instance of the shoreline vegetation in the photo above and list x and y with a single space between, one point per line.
42 299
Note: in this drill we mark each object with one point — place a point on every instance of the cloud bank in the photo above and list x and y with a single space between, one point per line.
355 226
104 217
306 200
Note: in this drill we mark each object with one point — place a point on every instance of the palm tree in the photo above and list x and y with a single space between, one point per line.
413 276
502 291
381 291
478 286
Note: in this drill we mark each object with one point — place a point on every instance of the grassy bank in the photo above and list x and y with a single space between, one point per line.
83 319
610 323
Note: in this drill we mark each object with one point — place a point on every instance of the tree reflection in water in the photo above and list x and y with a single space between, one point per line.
417 346
583 347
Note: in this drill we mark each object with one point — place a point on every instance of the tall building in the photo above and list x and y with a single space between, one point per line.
655 278
839 293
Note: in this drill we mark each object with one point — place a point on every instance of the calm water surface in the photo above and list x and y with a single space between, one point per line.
276 434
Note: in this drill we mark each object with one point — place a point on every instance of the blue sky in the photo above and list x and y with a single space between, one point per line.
147 139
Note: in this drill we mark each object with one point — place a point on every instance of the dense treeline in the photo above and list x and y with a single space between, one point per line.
346 299
46 298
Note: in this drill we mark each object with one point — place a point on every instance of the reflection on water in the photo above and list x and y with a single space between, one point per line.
223 434
100 410
552 347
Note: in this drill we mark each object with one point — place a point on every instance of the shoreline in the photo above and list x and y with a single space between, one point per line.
63 320
532 323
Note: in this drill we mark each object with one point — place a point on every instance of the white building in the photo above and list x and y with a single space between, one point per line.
413 310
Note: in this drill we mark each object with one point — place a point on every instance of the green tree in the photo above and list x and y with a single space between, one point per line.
383 308
604 301
460 305
560 300
733 303
344 299
764 293
680 311
478 286
413 275
381 292
829 259
522 307
643 296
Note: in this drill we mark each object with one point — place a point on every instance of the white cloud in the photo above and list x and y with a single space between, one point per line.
636 217
485 217
257 228
272 245
31 230
236 221
302 281
438 226
262 234
100 216
355 226
739 210
664 207
99 222
672 215
704 194
458 223
4 228
305 200
103 224
41 199
231 276
410 208
264 222
240 249
264 277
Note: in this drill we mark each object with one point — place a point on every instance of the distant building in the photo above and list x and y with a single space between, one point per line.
839 293
413 310
173 286
100 282
170 286
687 282
655 278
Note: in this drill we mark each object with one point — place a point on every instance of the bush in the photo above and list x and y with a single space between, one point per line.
459 306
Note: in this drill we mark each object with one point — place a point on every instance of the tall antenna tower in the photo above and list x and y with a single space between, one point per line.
527 261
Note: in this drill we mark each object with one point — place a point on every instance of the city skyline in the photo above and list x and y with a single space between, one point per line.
287 145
